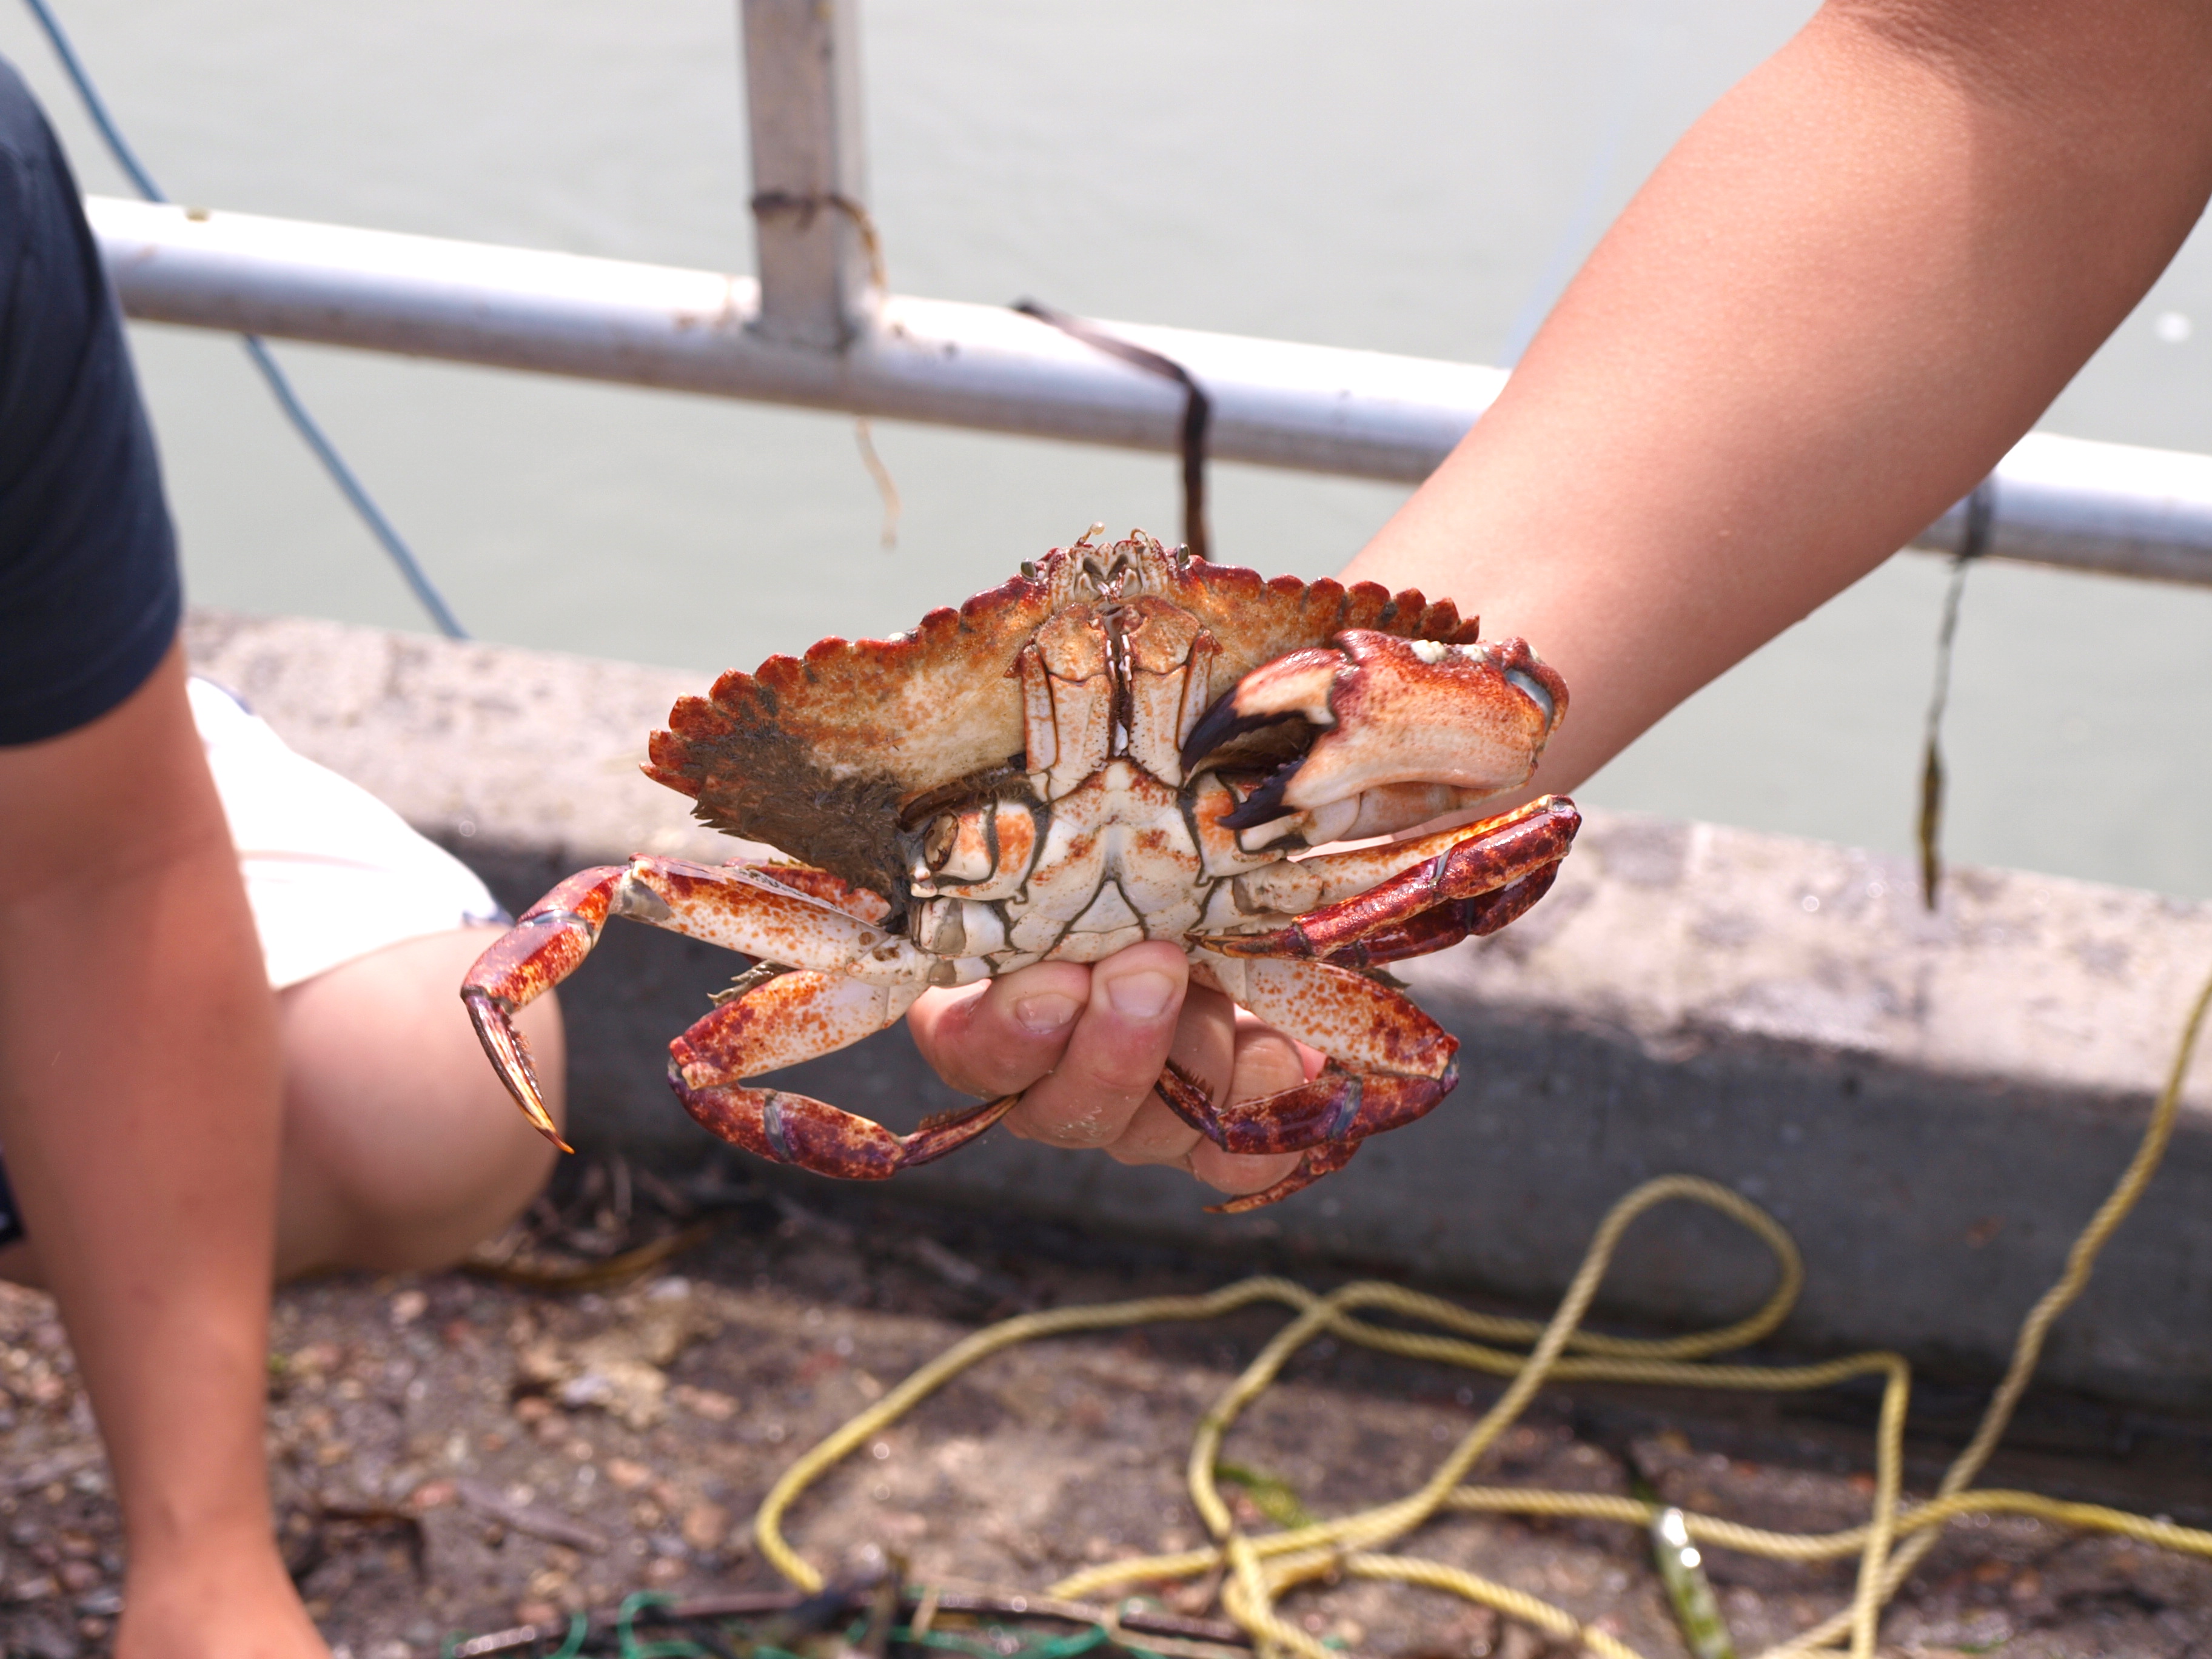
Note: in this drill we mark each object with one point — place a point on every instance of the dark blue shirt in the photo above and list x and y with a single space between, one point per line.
90 593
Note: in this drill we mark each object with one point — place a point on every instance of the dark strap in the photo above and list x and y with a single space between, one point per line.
1197 410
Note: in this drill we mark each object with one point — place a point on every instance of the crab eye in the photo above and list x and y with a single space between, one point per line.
939 839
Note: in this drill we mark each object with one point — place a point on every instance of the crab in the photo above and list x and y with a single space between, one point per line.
1122 743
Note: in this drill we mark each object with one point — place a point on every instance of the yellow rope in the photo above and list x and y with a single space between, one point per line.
2027 1347
1257 1570
1826 1546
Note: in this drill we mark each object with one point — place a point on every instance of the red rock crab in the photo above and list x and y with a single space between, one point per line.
1121 742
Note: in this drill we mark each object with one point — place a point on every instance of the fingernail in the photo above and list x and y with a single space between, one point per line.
1045 1013
1140 996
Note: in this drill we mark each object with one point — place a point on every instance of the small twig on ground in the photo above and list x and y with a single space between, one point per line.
489 1500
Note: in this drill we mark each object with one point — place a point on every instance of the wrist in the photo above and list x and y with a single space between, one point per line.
223 1593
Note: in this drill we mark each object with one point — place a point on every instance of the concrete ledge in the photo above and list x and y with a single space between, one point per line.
1933 1104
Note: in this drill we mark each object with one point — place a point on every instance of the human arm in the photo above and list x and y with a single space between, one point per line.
1851 286
139 1112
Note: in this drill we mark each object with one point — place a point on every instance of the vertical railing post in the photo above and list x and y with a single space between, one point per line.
819 270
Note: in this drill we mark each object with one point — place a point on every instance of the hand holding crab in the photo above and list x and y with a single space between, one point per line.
1083 1047
1121 745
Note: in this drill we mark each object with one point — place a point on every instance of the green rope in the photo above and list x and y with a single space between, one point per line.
625 1622
1060 1647
632 1646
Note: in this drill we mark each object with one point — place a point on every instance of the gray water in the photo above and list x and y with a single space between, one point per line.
1419 178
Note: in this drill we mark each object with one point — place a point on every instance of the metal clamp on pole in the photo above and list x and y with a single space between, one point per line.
820 268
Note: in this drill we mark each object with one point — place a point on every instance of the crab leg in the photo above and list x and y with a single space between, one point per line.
1332 1115
1483 875
1389 1063
819 885
1446 925
787 1019
742 907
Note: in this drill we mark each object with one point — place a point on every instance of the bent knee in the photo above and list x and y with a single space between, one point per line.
401 1148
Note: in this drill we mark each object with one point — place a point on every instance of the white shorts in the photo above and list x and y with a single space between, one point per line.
332 872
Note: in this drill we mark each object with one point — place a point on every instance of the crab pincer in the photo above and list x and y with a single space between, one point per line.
1385 732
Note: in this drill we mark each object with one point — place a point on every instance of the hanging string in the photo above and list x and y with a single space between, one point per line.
1197 408
1981 510
803 208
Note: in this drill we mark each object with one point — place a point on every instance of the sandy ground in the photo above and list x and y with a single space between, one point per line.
455 1454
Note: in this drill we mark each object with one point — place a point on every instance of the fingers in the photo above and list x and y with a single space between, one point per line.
1085 1047
1238 1059
1115 1054
1265 1062
998 1037
1205 1046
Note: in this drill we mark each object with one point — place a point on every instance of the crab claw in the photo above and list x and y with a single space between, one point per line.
1406 730
510 1056
1386 712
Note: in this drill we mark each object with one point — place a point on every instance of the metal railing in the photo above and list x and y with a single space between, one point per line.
820 332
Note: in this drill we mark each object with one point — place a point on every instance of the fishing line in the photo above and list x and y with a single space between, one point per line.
280 384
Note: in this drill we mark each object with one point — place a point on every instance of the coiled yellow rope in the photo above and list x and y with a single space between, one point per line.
1257 1570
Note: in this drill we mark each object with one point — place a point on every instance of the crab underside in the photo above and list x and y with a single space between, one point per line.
1122 743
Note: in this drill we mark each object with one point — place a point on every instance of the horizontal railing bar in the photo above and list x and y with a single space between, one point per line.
2067 502
2114 509
1313 408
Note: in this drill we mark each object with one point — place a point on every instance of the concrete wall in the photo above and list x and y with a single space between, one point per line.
1933 1104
